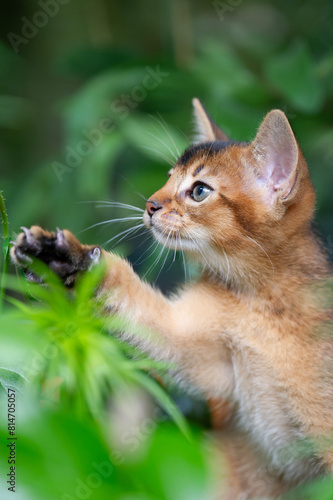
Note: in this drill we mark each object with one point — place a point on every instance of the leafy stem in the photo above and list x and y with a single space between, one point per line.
4 217
6 243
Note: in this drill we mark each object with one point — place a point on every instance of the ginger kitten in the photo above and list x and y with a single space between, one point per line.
253 330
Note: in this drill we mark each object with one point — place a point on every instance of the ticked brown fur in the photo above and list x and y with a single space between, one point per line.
254 330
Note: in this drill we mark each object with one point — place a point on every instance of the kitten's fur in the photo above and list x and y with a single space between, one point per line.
254 329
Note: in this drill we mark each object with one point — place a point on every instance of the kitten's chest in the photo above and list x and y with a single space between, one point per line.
266 414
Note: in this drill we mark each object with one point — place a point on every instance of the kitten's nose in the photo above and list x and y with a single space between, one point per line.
152 207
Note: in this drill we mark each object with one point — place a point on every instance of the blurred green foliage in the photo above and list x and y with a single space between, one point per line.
95 102
56 354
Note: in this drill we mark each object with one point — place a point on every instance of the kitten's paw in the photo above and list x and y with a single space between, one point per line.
60 251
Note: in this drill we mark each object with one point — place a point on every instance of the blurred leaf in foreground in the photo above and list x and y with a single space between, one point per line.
75 346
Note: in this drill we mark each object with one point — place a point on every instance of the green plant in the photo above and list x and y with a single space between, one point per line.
5 248
255 57
62 358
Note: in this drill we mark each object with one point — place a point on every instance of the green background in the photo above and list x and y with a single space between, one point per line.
65 75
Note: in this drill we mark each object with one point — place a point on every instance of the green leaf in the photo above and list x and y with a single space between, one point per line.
153 137
164 399
11 379
5 245
173 467
293 74
227 76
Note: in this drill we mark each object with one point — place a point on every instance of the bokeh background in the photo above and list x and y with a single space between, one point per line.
95 101
95 104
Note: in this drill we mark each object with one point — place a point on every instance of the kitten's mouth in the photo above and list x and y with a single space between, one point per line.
156 226
172 238
164 234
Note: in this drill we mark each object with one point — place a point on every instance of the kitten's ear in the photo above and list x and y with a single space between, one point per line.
275 152
206 129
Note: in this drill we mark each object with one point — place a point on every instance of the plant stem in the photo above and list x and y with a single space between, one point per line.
4 217
5 227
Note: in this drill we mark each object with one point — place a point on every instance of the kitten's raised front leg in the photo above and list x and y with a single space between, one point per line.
182 330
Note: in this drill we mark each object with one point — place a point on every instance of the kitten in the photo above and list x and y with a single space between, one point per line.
253 329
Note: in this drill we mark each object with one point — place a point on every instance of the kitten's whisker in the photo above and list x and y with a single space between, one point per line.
204 258
152 265
175 250
147 232
164 144
140 234
176 245
165 259
185 274
161 155
141 196
132 186
140 260
114 204
166 128
125 233
111 221
157 259
130 238
228 263
135 230
208 152
186 137
120 205
268 257
183 255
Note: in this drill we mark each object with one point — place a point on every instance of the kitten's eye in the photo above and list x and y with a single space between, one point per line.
200 192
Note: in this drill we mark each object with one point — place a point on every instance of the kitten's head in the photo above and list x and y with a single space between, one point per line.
234 205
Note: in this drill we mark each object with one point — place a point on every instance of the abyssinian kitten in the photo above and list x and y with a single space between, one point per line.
254 328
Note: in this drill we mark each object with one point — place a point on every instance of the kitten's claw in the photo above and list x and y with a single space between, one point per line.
28 235
61 242
21 257
95 255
